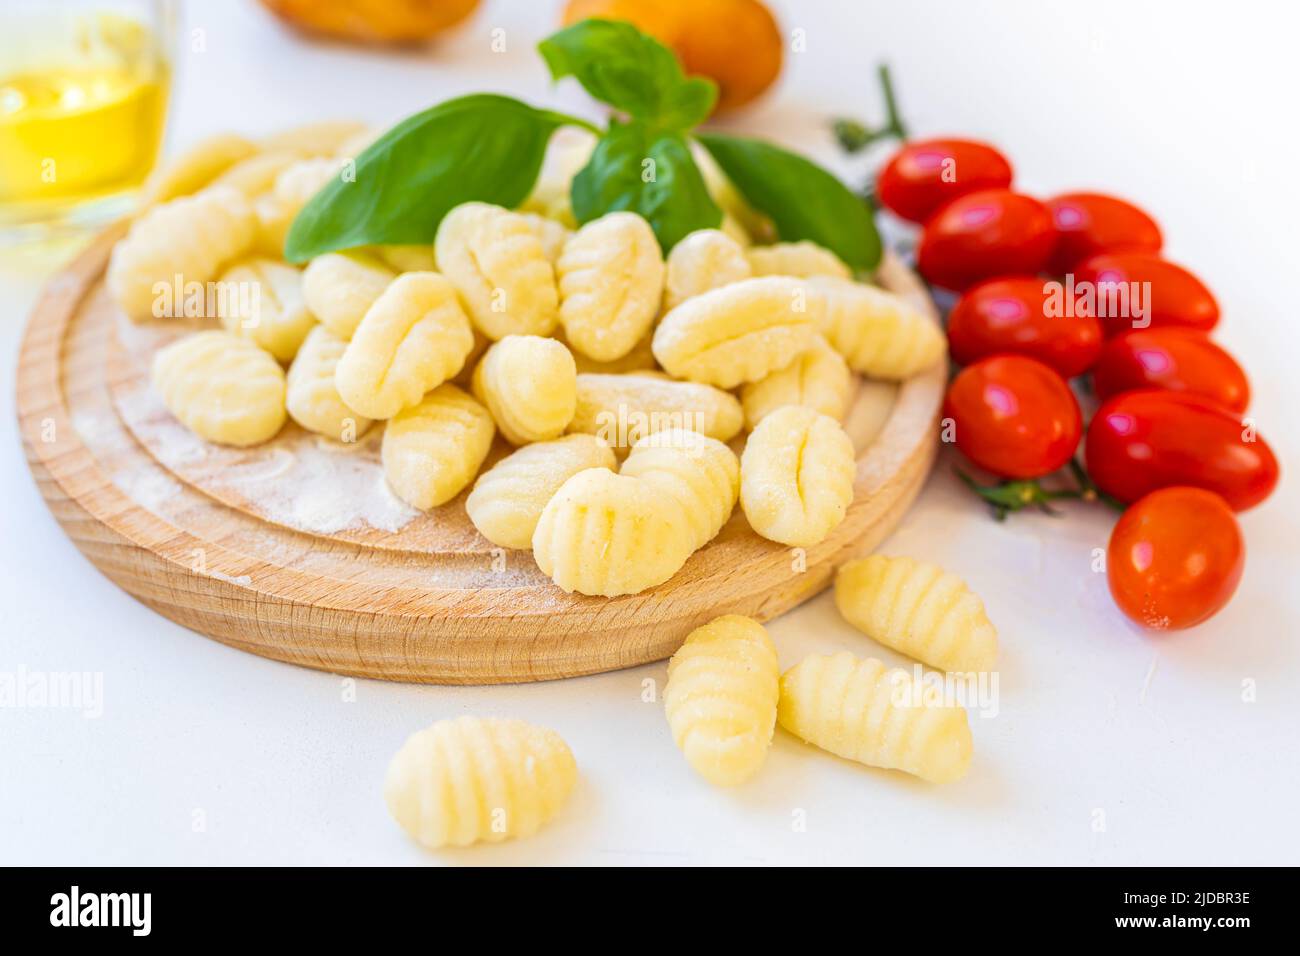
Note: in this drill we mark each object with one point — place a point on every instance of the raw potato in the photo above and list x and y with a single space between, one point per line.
803 260
700 474
433 450
221 387
414 338
530 385
738 333
818 379
340 288
705 259
919 609
621 409
611 277
879 333
499 268
313 397
851 708
508 498
192 237
263 301
796 476
721 699
474 779
197 167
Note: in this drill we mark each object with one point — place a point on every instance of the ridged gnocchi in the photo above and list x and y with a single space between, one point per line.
796 476
478 779
818 379
508 498
700 474
221 387
340 288
432 450
414 338
879 333
703 260
737 333
621 409
919 609
192 237
496 262
861 710
273 313
607 534
530 385
803 260
313 399
611 278
721 698
197 167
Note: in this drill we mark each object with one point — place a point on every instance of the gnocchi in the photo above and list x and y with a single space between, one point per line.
640 359
818 379
313 400
863 711
621 409
432 450
475 779
803 260
552 234
703 260
700 474
721 699
256 175
737 333
221 387
273 313
918 609
879 333
611 277
414 338
530 385
508 498
498 266
340 287
197 167
323 138
796 476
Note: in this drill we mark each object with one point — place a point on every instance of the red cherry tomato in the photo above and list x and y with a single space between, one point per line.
1014 316
1141 441
989 233
924 175
1092 223
1167 293
1014 416
1180 360
1175 558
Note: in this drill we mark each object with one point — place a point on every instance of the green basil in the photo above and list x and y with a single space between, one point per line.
802 199
647 172
631 71
480 147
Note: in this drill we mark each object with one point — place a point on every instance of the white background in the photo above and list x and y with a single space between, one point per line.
1111 746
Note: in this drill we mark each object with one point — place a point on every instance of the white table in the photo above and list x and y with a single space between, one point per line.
1111 746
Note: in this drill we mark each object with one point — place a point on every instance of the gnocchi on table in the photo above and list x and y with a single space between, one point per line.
530 384
433 450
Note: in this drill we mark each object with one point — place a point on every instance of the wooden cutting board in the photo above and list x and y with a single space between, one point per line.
296 551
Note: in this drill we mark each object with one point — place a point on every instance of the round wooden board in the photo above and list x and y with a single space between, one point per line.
423 598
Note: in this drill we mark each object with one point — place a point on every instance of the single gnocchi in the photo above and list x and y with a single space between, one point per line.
818 379
476 779
700 474
721 699
919 609
222 387
796 476
197 167
340 288
508 498
496 262
606 534
737 333
880 334
611 277
414 338
262 300
703 260
622 409
530 384
863 711
433 450
313 399
192 237
803 260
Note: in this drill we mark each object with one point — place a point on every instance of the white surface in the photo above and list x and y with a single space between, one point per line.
1183 107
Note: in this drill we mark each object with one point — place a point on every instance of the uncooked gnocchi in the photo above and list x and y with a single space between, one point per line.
221 387
796 476
861 710
432 450
256 175
919 609
800 259
721 698
313 398
879 333
340 288
700 474
621 409
640 359
197 167
552 234
530 385
478 779
322 138
706 259
414 338
818 379
262 300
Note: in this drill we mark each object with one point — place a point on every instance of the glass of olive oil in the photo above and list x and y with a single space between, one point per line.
83 103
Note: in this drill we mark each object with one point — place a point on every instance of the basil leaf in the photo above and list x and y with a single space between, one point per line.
651 173
630 70
802 199
480 147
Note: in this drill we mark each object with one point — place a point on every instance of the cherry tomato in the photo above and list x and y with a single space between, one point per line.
1175 296
924 175
1015 316
1180 360
1141 441
1175 558
1014 416
993 232
1091 223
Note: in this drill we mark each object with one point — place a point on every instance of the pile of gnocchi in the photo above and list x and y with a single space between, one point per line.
623 379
